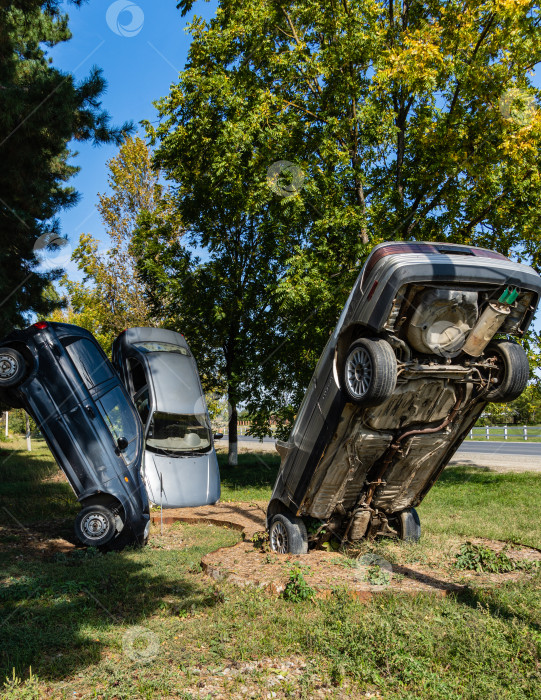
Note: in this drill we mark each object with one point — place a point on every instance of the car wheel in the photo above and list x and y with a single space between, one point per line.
95 525
288 535
408 525
513 371
12 367
369 373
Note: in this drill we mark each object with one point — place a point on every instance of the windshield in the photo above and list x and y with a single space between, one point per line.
173 433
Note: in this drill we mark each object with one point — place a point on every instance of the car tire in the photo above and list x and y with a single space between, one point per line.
408 525
95 525
288 535
369 372
514 371
12 368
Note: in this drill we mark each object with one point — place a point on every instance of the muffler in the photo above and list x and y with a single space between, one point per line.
485 329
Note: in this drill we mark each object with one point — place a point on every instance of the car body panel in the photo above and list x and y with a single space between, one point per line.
71 417
173 385
334 445
187 481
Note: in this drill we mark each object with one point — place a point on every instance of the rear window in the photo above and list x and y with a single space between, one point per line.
90 362
154 346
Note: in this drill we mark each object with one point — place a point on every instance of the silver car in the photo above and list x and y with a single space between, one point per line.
160 373
409 368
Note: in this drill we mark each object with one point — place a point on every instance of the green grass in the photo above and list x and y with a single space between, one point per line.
252 479
66 615
472 501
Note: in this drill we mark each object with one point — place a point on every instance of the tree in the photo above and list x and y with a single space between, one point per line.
407 121
42 110
221 302
111 298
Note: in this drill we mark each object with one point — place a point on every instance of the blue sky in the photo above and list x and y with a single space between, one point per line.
139 67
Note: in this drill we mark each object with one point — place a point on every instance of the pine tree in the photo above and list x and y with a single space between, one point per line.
41 110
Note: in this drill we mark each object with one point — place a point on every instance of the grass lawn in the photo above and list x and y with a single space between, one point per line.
148 624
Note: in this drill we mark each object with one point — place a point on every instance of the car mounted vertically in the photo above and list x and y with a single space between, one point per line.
160 374
60 375
409 368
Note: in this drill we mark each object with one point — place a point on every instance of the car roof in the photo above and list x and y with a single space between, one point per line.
176 383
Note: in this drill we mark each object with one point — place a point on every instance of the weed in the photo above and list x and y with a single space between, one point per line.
377 576
260 541
474 557
297 590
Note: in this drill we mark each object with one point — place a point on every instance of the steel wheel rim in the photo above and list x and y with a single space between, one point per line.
279 538
95 526
8 367
359 372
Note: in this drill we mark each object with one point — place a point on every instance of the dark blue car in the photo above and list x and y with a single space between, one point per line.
63 379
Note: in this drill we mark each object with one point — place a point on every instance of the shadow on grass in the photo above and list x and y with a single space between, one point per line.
56 615
492 600
253 471
57 610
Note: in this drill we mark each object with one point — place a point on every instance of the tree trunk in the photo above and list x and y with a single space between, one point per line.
233 458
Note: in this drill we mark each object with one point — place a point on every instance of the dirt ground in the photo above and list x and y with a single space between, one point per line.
244 564
324 571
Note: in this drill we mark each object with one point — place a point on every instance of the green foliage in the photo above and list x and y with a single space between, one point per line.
377 576
401 120
43 109
110 298
260 540
475 557
525 410
297 590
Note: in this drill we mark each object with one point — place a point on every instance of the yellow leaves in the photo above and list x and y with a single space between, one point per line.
416 62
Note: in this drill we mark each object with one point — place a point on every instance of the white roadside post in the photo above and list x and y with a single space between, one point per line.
28 435
7 423
161 505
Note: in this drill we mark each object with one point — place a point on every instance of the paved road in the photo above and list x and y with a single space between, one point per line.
532 449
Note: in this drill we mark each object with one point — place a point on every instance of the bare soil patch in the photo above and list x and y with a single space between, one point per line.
244 565
247 518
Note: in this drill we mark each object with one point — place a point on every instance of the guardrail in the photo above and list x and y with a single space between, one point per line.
505 432
489 432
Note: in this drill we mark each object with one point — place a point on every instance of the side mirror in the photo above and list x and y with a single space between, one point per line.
218 436
122 443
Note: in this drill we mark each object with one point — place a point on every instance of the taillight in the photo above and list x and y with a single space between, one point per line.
397 249
40 325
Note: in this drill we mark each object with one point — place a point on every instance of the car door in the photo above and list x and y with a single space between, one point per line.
109 402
